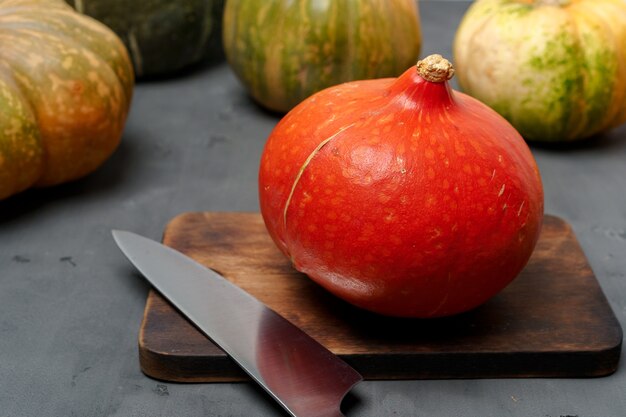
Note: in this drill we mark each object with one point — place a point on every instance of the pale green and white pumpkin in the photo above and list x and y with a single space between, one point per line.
556 69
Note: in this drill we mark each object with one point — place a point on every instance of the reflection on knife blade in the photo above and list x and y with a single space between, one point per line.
304 377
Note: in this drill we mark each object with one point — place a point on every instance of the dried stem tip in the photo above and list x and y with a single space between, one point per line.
435 68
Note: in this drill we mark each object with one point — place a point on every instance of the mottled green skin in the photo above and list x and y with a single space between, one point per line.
21 153
283 50
555 72
162 36
66 83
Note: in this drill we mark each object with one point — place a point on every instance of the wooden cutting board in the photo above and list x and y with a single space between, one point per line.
552 321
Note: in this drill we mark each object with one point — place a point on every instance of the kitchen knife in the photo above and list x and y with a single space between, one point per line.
304 377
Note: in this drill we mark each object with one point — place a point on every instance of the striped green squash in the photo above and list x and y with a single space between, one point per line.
556 69
285 50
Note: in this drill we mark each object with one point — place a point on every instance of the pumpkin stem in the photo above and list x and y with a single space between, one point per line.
435 68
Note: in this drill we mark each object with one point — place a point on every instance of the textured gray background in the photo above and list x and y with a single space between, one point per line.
71 306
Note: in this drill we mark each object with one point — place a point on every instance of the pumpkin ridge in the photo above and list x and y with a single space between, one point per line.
619 111
289 50
33 152
54 32
598 114
135 51
120 104
461 74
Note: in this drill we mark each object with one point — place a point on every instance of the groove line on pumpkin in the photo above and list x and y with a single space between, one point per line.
135 51
304 166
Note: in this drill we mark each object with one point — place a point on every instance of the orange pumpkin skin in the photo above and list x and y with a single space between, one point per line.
401 196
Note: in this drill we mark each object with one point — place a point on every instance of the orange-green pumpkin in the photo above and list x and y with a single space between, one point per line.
285 50
556 69
65 88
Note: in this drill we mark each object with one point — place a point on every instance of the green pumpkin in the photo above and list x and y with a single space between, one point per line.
162 36
285 50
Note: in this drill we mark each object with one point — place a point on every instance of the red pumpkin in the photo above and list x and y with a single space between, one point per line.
402 196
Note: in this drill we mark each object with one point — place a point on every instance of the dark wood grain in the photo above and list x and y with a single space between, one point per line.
552 321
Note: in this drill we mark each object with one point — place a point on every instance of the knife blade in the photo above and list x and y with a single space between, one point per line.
304 377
